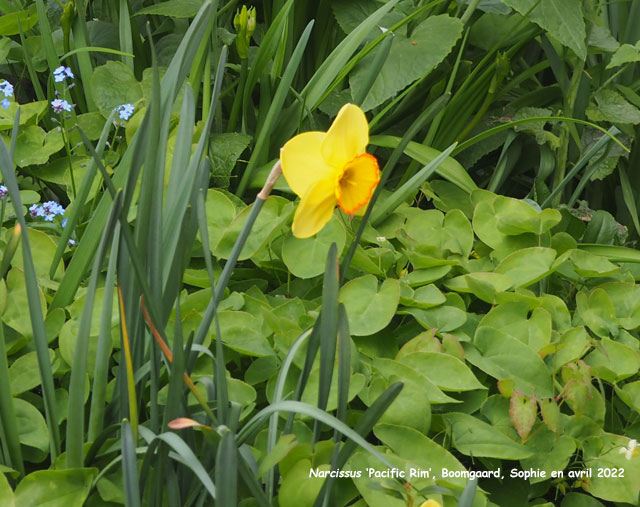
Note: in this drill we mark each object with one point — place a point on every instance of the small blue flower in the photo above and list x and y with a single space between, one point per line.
3 191
64 222
72 243
33 210
6 88
62 73
5 103
40 212
49 217
125 110
60 105
53 208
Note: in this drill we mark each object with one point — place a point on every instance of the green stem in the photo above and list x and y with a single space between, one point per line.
67 147
563 150
225 276
469 12
237 101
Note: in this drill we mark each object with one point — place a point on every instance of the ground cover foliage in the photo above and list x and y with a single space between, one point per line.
167 340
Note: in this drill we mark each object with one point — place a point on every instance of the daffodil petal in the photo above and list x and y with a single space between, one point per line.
315 209
356 185
347 137
302 162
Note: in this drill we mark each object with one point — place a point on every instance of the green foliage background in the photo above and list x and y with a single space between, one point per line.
174 344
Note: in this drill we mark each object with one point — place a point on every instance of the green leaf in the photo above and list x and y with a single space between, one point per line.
597 312
626 303
527 266
537 127
625 54
55 488
450 169
444 370
613 107
310 395
613 361
35 146
444 318
571 346
10 24
552 453
419 450
21 372
173 9
225 149
423 297
241 332
369 307
299 487
589 265
563 20
412 379
514 216
32 427
113 85
483 285
458 234
550 413
27 112
485 225
283 446
275 212
604 453
409 59
7 498
91 124
473 437
522 412
16 311
505 357
306 258
44 248
532 327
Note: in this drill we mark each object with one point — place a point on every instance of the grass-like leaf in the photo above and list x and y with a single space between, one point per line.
35 312
130 466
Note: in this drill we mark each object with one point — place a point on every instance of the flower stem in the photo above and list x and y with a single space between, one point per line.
225 276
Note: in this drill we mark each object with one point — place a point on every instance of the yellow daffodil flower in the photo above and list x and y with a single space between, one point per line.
329 168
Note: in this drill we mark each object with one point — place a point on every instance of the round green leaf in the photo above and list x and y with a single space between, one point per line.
473 437
445 371
306 258
31 425
112 85
527 266
241 332
16 312
43 248
275 212
55 488
369 308
22 373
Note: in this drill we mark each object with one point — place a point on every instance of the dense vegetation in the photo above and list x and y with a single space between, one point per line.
166 339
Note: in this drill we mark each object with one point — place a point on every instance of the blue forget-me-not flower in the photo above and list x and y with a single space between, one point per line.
125 110
6 88
47 210
62 73
59 105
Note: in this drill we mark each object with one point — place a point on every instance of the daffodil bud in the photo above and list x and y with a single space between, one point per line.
68 14
245 24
